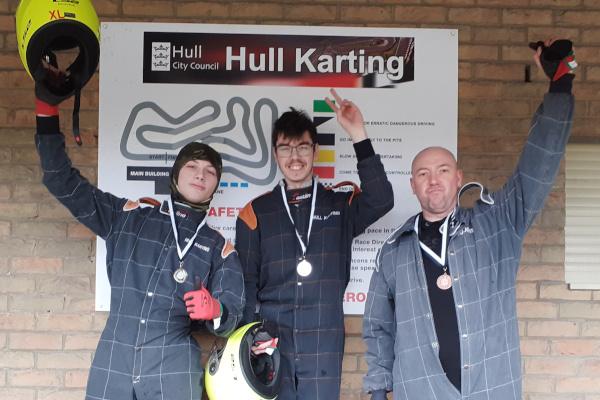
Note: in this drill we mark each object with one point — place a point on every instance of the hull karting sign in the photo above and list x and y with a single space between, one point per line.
276 60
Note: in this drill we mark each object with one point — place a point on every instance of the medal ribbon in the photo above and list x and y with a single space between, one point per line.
312 213
181 253
440 259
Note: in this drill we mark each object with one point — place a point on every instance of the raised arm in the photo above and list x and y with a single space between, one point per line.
523 196
88 204
376 196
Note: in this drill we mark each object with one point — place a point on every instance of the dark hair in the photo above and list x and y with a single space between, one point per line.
292 125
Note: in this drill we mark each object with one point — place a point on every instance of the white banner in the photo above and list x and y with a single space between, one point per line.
164 85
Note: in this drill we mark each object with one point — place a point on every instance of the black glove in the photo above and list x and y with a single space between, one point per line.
52 85
271 328
378 395
558 59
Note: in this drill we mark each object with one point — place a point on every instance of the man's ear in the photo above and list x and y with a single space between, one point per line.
316 154
412 185
459 173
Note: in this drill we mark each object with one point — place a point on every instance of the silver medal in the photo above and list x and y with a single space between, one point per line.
180 274
304 268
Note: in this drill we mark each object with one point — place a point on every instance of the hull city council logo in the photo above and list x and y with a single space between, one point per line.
161 56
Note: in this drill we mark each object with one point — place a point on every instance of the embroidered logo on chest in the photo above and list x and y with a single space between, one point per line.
326 217
181 214
464 229
202 247
302 197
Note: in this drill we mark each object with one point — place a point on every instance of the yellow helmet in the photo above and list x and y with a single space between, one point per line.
233 372
45 26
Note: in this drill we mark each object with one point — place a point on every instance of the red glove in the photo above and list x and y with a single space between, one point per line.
265 346
264 340
201 305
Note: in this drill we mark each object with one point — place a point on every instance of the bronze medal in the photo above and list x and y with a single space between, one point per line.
444 281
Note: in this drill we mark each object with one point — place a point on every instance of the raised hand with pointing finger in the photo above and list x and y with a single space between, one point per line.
349 116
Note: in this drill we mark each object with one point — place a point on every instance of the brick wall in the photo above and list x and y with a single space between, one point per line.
48 329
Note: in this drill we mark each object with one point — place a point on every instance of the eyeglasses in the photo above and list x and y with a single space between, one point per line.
303 149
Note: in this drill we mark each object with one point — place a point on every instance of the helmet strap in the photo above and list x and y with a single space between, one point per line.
76 103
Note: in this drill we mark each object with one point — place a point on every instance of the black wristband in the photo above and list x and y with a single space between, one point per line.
562 85
363 149
47 125
224 313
